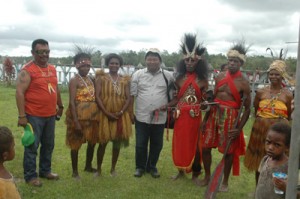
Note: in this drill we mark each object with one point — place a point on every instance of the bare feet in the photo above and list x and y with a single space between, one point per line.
204 182
76 176
90 169
97 173
113 173
196 181
223 188
179 175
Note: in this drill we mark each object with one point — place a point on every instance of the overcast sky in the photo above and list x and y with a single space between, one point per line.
113 26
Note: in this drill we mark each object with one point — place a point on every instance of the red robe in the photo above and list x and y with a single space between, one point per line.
186 129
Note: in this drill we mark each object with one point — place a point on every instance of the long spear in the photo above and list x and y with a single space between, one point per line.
291 191
216 178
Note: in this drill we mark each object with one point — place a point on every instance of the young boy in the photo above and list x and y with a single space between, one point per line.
8 188
276 144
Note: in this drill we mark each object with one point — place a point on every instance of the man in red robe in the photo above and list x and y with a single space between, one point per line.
191 83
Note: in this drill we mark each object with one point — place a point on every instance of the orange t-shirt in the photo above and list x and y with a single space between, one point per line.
41 95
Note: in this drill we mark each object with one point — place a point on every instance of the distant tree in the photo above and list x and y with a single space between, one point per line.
170 60
216 60
292 64
96 58
63 60
257 62
130 57
9 71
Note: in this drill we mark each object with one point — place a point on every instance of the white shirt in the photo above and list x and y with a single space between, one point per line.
150 91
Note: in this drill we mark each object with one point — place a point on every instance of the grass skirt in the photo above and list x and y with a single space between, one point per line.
88 117
256 146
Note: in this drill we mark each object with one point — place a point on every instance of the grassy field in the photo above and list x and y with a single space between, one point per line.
124 185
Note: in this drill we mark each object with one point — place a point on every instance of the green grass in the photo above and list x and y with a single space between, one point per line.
124 185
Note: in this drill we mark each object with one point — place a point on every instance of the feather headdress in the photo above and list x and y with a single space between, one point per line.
190 48
281 56
83 55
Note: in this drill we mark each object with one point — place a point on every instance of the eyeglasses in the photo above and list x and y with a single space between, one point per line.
41 52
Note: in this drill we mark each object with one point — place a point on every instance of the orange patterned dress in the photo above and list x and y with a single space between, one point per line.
87 113
269 112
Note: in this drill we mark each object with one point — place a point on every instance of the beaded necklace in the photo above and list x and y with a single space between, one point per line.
274 98
115 84
92 91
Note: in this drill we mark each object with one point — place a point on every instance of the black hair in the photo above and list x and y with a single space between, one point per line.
223 66
113 55
154 55
201 69
284 129
190 42
38 41
81 55
6 140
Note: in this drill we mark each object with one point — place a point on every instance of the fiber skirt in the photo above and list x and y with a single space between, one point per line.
88 117
256 146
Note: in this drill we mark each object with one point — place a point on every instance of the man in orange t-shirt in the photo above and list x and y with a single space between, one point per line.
38 97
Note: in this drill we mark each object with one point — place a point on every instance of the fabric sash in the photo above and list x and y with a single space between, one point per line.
238 145
191 77
229 80
232 104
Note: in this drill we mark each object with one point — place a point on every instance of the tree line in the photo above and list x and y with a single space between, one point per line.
254 62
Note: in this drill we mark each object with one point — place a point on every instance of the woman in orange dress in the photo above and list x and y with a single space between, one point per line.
112 96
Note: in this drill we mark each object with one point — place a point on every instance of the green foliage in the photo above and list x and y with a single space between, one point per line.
124 185
292 65
96 58
170 60
257 62
61 61
217 60
8 71
130 57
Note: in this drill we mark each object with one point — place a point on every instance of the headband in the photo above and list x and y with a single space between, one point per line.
235 53
83 62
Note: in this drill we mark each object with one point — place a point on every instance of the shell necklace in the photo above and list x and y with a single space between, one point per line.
115 84
92 91
50 87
